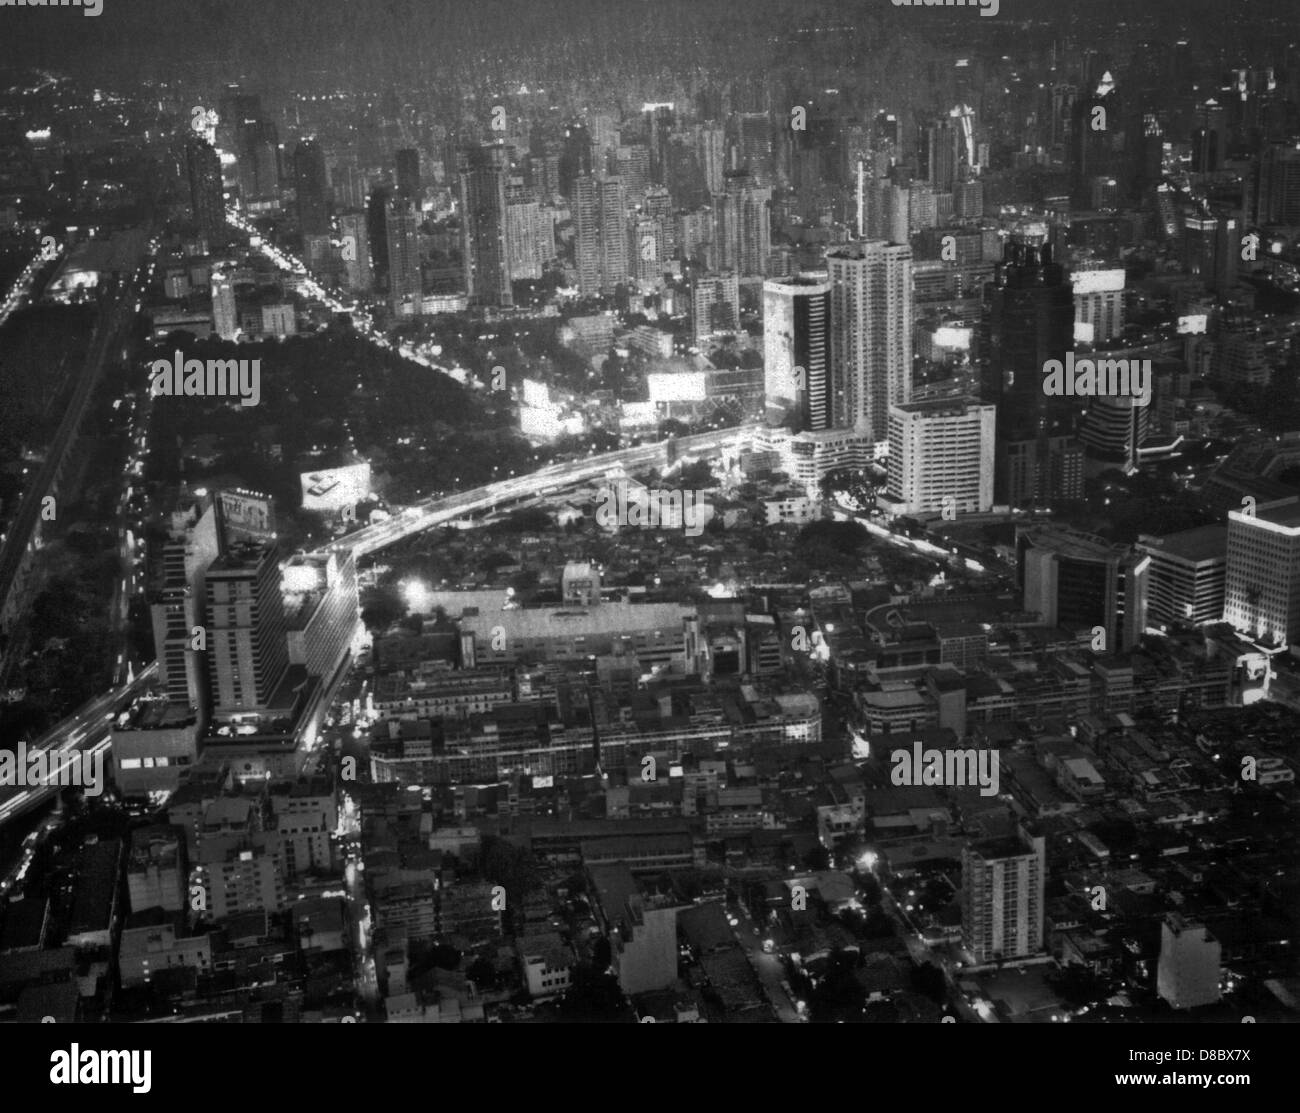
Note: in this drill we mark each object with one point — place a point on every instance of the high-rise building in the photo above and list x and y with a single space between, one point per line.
940 457
1029 320
1275 198
1004 896
600 235
357 275
176 609
1187 975
524 239
871 334
377 234
1262 582
575 159
207 204
311 188
258 158
483 176
1098 293
408 173
632 164
225 312
796 352
1073 579
405 285
647 248
1112 433
743 226
248 652
1188 575
942 151
715 305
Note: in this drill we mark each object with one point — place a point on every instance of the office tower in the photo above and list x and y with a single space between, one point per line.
405 287
1073 579
647 248
1275 197
408 173
968 199
575 159
743 226
1209 137
600 237
524 233
754 145
483 175
1187 576
922 207
871 334
659 121
943 155
1098 293
311 189
248 652
1004 893
1262 583
176 608
1187 974
350 186
715 305
1112 431
377 235
941 457
659 204
711 150
796 334
207 205
1098 137
632 164
258 158
1029 320
225 313
357 275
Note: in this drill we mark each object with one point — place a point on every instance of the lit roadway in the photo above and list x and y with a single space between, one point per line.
86 730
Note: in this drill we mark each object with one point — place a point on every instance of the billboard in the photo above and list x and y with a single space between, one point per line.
536 394
247 514
331 489
952 336
1193 324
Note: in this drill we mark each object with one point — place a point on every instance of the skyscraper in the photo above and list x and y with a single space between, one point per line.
1073 579
1004 894
176 609
408 172
405 289
248 653
225 312
311 189
1262 587
940 457
524 235
796 334
483 175
871 334
743 226
377 234
203 167
357 274
1029 320
600 234
715 305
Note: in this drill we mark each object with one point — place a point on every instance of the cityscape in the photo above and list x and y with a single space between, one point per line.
650 511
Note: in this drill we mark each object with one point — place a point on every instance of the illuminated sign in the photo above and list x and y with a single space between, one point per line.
1097 282
1192 325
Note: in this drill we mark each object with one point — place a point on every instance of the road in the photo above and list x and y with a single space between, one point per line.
85 729
768 967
